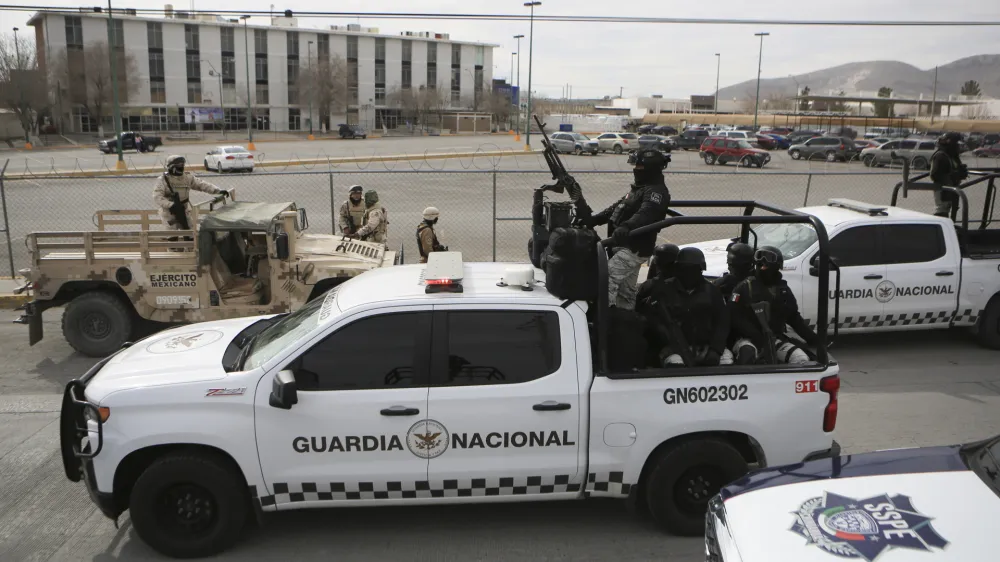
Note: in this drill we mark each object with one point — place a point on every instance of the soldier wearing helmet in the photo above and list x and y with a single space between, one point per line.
172 192
427 240
661 268
947 170
352 212
374 222
739 259
645 203
762 307
699 314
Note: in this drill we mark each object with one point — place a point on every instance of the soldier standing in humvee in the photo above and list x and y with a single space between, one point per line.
172 192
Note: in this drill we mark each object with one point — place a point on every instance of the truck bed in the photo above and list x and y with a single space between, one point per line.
123 256
88 247
982 244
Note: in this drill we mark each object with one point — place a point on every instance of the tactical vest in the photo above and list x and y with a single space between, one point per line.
955 163
357 212
434 241
380 230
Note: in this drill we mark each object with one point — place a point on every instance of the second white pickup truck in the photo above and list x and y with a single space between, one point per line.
448 382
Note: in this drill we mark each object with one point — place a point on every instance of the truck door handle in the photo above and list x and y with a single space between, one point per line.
550 405
944 273
873 276
400 411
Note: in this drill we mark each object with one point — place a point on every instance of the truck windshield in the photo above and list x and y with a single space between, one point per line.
287 331
792 239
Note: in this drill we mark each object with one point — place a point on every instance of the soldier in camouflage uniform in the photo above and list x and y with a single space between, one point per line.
352 212
427 240
172 192
374 222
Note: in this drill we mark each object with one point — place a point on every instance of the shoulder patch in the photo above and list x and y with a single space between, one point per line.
736 297
655 197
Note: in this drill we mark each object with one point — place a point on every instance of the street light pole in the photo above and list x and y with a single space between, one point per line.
795 100
517 134
246 48
756 101
512 53
120 165
309 52
222 102
718 67
531 61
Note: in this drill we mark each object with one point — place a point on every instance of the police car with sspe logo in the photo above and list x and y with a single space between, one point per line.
448 382
934 503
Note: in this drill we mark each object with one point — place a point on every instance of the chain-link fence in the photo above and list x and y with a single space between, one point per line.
484 213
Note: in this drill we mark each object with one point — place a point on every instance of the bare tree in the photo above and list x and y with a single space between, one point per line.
420 107
324 85
90 83
23 90
497 104
777 101
979 111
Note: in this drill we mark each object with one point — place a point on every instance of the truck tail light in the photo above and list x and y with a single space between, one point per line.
250 156
230 158
831 386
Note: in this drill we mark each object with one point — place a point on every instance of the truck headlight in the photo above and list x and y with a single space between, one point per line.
102 412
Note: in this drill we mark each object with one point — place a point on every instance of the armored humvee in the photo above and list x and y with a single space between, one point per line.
243 259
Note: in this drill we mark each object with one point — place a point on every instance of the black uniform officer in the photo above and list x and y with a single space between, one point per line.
947 170
645 203
661 268
739 258
698 311
762 306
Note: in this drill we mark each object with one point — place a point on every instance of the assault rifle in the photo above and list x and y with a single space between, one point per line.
179 211
678 343
564 181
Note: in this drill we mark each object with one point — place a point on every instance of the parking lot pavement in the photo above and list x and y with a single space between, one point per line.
899 390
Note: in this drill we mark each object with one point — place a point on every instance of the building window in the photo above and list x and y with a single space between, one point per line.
456 79
118 34
432 75
191 37
432 53
352 48
352 94
323 47
294 119
480 56
379 73
293 95
228 39
74 33
379 96
154 35
478 85
260 41
379 49
194 92
156 66
455 98
292 38
262 95
407 76
82 120
456 55
193 67
228 68
293 71
157 91
260 67
352 73
407 50
228 93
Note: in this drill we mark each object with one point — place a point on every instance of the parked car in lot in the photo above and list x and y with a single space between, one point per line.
862 144
128 138
799 137
780 141
722 150
618 142
691 139
228 159
575 143
766 142
646 129
734 134
352 132
917 152
663 130
785 131
830 149
991 151
976 140
659 142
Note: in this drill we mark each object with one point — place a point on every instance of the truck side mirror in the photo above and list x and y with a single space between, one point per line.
281 245
303 219
284 394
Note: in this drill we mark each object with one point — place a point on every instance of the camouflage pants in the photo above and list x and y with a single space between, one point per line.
623 273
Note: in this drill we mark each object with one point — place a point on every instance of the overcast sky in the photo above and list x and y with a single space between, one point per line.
669 59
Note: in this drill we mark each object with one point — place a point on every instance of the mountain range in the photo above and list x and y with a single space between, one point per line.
868 77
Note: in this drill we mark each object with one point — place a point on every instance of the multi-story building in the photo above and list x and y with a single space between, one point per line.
192 72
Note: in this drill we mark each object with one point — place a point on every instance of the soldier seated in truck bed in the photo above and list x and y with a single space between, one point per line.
245 259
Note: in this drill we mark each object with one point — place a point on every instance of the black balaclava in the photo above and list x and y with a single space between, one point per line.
769 276
688 275
645 176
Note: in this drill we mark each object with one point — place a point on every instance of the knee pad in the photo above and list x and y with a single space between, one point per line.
746 355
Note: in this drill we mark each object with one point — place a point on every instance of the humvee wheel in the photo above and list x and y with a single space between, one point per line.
97 324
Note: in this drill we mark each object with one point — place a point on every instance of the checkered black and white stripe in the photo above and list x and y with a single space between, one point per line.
607 484
921 318
286 493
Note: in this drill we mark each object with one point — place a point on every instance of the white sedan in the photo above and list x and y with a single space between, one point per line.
229 158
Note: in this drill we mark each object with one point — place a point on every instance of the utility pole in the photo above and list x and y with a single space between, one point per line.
621 91
309 51
934 96
120 165
756 101
246 48
718 67
517 135
222 103
531 61
512 54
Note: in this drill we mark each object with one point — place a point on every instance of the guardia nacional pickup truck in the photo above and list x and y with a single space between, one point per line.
440 383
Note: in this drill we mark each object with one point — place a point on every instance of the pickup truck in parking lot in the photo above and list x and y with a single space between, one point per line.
898 269
438 383
149 143
691 139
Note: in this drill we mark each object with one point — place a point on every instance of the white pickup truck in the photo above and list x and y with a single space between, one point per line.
420 384
899 269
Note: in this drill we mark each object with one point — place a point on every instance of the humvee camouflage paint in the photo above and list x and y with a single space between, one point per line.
244 259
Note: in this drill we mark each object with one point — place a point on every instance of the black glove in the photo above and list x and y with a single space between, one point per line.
711 359
224 193
586 222
620 235
177 208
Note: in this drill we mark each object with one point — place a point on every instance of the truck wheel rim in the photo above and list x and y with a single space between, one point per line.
696 486
187 509
96 325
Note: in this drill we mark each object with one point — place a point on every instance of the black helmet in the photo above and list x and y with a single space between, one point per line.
665 254
691 256
769 255
949 139
739 253
357 189
649 159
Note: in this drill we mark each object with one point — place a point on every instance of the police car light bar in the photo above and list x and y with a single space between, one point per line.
444 272
859 206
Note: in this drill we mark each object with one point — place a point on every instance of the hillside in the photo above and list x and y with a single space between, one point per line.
904 79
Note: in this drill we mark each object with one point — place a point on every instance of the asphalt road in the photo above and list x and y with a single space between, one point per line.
899 390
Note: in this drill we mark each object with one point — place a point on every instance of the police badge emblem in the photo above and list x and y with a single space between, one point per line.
865 528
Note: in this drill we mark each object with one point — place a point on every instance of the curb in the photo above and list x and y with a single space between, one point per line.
12 301
276 164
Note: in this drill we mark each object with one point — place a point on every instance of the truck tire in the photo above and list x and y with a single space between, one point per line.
988 333
618 149
189 505
97 323
795 154
919 163
684 477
